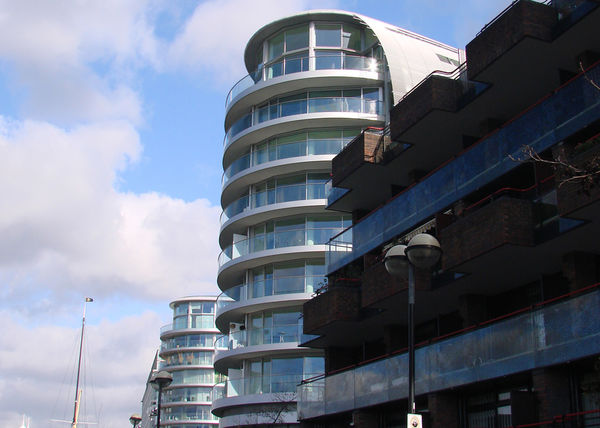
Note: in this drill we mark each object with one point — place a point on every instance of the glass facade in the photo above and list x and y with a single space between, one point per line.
355 100
324 142
187 350
288 232
276 366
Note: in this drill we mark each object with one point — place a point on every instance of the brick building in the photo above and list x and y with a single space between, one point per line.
508 323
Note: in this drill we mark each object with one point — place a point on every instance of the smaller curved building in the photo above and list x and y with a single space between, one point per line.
187 349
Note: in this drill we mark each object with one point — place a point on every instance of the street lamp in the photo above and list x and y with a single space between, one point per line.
135 420
423 251
159 381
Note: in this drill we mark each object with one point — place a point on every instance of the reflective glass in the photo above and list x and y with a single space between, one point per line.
351 37
296 63
327 60
275 47
328 35
296 38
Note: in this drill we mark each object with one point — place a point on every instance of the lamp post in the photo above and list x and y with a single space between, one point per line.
423 251
135 420
159 381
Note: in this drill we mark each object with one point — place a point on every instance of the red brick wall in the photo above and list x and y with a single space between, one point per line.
443 410
436 92
337 304
358 151
524 19
504 221
551 387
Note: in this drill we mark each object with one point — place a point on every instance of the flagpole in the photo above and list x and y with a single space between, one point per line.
77 392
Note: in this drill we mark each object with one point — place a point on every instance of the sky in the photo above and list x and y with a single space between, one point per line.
111 132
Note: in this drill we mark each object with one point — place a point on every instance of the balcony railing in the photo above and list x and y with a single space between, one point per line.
554 334
273 240
261 384
271 287
286 150
565 111
304 106
287 333
291 65
280 194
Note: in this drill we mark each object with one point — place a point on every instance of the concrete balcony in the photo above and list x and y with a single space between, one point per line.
363 150
437 92
570 108
550 335
340 304
525 19
501 222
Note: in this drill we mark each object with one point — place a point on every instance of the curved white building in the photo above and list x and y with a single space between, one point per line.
187 350
316 80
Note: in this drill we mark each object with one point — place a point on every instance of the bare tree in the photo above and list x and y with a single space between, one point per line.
586 172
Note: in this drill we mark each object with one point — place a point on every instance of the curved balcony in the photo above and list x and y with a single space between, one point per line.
188 395
274 240
170 330
256 390
232 272
192 342
186 413
262 342
311 107
275 72
311 146
280 194
236 311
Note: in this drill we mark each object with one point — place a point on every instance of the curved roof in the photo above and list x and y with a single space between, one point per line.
410 56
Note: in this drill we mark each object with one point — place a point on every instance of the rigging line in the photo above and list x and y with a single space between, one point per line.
62 393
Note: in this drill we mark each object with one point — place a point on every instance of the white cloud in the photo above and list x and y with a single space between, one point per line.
70 56
43 359
65 226
216 34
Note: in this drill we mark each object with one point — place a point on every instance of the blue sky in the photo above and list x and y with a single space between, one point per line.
111 130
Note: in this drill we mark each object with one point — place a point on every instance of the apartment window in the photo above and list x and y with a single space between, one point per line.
328 35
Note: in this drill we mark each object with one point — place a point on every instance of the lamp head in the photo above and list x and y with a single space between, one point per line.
161 380
423 251
135 419
396 262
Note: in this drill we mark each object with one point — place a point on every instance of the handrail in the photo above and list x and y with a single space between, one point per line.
529 308
258 75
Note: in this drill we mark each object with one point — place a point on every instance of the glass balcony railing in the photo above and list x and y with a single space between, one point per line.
187 413
280 194
565 111
309 147
271 287
295 64
304 106
260 385
188 395
218 391
556 334
273 240
188 341
286 333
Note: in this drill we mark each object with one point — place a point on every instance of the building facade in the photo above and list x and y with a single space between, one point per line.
316 80
187 349
507 325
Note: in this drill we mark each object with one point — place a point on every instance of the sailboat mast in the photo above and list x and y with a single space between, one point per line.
77 392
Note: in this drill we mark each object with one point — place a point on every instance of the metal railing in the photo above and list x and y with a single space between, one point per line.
295 64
